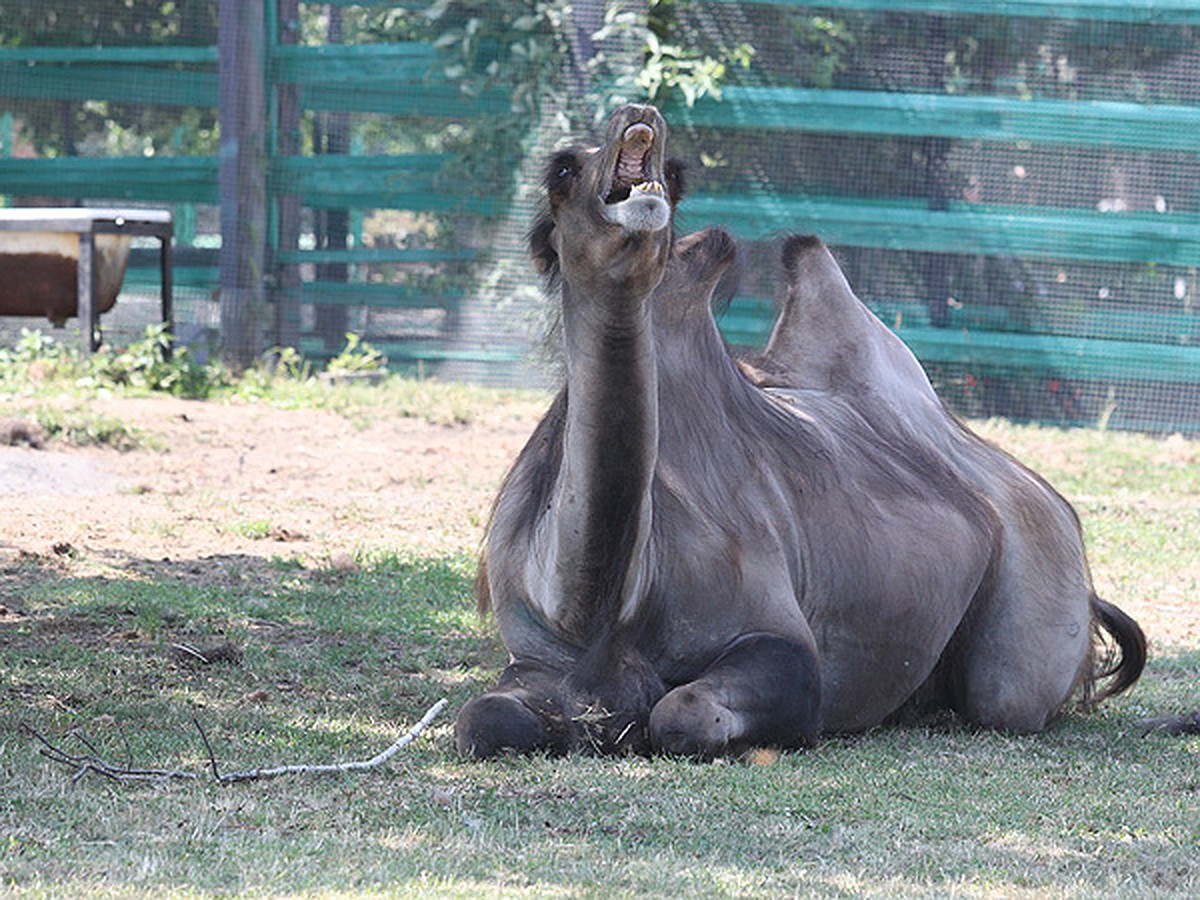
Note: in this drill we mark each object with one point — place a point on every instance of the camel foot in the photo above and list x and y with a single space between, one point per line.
763 691
500 723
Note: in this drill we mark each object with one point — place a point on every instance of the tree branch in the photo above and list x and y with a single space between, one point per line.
93 762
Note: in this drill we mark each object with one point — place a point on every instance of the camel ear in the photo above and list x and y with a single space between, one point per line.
673 172
543 245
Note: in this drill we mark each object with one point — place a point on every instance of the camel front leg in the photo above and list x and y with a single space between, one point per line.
764 690
520 715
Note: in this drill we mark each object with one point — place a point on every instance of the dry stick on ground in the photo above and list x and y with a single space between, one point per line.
93 762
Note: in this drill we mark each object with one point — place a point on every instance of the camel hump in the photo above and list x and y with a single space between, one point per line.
796 247
707 254
1129 653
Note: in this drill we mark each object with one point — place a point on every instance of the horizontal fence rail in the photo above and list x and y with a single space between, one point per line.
763 131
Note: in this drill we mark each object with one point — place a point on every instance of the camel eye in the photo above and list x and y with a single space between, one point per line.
563 168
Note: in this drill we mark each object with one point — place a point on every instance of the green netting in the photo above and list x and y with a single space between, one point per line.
1015 188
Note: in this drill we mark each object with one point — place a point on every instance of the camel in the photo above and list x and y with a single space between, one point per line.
685 561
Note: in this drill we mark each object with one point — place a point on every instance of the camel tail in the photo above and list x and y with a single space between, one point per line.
1126 649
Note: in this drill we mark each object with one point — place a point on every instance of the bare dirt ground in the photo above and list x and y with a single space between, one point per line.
222 491
248 483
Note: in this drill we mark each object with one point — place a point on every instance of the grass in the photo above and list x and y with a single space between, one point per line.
80 427
338 660
52 382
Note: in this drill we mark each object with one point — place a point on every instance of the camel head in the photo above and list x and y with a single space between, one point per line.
608 209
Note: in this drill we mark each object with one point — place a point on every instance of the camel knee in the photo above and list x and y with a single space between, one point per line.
763 691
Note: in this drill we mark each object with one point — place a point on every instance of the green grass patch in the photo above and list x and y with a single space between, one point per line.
80 427
335 661
40 369
336 664
255 529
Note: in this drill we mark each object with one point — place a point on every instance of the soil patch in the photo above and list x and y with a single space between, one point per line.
235 486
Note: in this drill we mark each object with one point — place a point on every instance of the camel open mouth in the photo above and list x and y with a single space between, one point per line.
635 197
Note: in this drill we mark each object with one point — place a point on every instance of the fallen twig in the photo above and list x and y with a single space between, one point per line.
93 762
322 769
188 650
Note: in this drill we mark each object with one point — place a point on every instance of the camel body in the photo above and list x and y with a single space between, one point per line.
683 560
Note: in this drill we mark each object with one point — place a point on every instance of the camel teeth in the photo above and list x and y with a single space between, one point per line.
649 187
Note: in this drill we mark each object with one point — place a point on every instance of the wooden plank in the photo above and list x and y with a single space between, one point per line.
412 352
198 277
421 6
149 85
1081 358
179 179
389 296
964 228
182 256
402 181
748 321
400 79
369 255
1131 126
352 64
439 100
331 181
391 79
242 177
101 54
1078 357
1150 12
1129 325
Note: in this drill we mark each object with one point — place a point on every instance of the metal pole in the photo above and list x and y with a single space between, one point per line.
85 290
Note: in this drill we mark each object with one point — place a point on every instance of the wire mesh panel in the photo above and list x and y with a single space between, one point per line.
379 221
391 134
1016 194
1012 187
106 104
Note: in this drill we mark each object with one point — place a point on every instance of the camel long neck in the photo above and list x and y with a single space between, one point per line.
610 449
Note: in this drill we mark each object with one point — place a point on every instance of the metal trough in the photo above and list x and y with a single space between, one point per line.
63 263
39 273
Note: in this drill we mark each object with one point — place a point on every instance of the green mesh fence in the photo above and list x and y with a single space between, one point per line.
1012 187
1015 194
